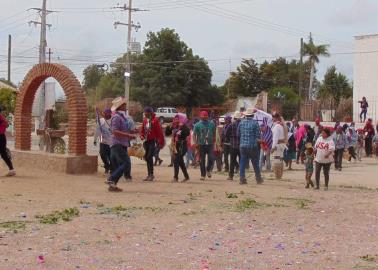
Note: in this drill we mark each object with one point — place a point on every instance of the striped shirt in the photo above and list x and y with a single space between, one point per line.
267 136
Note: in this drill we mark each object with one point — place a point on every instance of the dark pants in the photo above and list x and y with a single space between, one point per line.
206 150
4 153
339 158
234 154
363 113
318 168
120 161
149 147
178 163
105 156
369 146
352 153
252 154
226 156
217 161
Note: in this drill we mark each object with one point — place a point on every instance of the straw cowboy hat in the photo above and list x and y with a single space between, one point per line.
237 115
249 112
118 102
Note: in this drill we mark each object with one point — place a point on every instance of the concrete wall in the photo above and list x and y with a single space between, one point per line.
366 75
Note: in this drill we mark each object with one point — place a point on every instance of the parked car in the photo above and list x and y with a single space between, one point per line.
166 114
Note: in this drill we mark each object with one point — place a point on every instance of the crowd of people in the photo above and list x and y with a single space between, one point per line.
267 143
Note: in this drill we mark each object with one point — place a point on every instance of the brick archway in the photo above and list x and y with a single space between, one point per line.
77 107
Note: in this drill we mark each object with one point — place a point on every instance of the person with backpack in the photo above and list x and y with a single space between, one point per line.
4 152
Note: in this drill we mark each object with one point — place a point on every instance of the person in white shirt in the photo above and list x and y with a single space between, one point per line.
279 144
103 133
324 148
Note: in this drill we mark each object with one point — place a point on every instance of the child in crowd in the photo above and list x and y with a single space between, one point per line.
309 165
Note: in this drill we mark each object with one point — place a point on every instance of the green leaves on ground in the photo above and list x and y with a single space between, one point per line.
56 216
13 226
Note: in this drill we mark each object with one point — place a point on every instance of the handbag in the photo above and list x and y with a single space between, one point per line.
136 150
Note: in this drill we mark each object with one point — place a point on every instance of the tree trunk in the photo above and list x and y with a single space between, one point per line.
311 80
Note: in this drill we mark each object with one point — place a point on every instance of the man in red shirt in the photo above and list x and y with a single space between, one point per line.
152 135
4 152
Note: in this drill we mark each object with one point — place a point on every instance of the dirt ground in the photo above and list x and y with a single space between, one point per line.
216 224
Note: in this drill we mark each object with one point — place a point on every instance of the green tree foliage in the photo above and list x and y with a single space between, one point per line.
7 100
167 73
334 87
92 77
246 81
314 52
287 97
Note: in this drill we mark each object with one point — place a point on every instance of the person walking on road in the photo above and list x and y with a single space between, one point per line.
104 135
250 138
121 136
4 152
152 135
204 138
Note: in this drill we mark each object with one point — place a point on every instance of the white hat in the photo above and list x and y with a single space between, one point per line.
249 112
237 115
118 102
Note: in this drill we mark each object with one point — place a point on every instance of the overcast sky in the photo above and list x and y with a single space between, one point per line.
221 31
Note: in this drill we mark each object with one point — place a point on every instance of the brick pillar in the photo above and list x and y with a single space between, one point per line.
77 107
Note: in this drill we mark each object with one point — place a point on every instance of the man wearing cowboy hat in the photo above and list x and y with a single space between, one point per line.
233 137
249 132
121 128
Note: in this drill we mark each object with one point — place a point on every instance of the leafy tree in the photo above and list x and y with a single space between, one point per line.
246 81
334 87
7 100
314 52
92 77
287 97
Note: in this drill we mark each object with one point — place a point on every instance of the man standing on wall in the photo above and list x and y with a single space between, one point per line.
152 135
364 108
204 138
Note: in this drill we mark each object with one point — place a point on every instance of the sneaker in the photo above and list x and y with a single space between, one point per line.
113 188
160 162
149 178
209 174
11 173
230 179
202 178
108 181
317 188
186 179
259 181
170 165
307 186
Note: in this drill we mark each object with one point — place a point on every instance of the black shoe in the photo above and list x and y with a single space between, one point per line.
243 181
208 174
186 179
128 178
317 188
259 181
170 165
175 180
160 162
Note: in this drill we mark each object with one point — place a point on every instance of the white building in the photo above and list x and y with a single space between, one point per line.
366 75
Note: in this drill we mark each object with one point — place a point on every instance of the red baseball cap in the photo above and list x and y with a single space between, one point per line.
204 114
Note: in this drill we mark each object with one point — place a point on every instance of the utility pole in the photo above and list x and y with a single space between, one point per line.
50 53
9 57
43 12
300 88
130 26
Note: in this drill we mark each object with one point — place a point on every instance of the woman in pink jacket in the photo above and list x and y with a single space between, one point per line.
4 152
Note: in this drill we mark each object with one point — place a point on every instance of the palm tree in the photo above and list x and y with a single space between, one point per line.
314 52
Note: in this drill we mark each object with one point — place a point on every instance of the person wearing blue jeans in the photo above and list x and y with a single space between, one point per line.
253 155
250 137
121 136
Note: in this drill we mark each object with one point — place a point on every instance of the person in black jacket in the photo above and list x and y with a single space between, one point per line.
179 140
